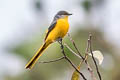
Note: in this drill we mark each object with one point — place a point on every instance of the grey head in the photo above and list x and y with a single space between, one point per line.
61 14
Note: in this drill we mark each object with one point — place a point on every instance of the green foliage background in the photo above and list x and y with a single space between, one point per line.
57 69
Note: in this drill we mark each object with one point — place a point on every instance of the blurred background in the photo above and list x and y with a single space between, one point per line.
22 28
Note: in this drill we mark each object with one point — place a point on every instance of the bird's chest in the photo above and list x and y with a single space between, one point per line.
62 27
60 30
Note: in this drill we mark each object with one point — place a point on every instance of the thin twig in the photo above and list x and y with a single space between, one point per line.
75 46
84 58
72 51
86 53
90 37
88 66
62 48
52 60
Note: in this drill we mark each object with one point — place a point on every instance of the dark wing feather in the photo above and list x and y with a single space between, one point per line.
50 29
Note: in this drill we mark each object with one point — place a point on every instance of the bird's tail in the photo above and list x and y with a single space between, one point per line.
35 58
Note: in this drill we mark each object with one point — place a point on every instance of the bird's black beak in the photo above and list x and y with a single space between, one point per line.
69 14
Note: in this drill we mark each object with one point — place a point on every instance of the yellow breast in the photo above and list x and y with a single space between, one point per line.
60 29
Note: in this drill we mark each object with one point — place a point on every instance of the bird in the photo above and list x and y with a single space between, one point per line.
56 31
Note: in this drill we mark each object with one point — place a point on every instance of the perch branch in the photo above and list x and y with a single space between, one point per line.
52 60
90 37
84 58
75 46
88 66
72 51
62 48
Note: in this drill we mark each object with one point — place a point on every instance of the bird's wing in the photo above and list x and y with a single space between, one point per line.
50 29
